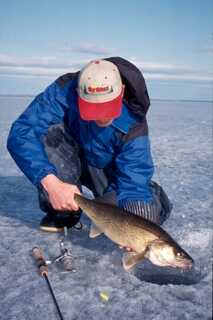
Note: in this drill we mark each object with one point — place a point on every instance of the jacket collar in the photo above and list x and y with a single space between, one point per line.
126 120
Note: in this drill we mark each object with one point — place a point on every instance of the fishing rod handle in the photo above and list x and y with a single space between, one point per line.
41 263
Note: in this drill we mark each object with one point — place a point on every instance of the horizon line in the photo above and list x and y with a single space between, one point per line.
11 95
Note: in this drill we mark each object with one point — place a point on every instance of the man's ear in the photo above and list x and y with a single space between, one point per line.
123 88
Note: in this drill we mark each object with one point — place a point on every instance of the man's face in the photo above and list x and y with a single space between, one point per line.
104 122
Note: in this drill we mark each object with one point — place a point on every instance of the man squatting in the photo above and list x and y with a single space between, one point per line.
89 128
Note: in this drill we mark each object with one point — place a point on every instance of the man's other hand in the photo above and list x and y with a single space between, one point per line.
126 248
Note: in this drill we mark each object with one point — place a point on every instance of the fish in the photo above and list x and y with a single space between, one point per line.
145 238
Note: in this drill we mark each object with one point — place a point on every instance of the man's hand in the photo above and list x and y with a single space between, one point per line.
126 248
61 194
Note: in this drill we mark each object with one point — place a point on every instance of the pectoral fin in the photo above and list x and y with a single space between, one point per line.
130 259
94 231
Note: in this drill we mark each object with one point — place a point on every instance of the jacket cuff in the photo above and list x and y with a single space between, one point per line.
148 210
43 174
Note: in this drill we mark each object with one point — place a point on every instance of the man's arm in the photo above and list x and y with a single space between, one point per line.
25 137
135 170
26 147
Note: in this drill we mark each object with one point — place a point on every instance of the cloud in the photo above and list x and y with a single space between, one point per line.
180 77
52 67
90 49
156 71
40 62
32 72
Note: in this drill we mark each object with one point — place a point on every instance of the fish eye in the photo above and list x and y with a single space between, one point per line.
179 254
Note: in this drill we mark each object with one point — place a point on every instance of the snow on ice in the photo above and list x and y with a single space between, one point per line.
181 137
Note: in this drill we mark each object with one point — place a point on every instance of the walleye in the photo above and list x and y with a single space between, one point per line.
146 239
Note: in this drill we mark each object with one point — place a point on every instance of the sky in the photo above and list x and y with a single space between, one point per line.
171 42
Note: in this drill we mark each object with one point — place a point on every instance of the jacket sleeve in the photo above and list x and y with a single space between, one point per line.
135 169
25 137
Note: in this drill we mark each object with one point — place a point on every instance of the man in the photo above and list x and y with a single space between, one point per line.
90 128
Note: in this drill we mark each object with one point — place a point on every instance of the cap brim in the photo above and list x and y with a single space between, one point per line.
101 110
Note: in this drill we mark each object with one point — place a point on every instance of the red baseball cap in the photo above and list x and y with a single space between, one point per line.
100 91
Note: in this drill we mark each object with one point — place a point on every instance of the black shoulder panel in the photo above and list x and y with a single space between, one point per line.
62 80
140 129
136 94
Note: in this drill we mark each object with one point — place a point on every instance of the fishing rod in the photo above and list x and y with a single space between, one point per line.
41 263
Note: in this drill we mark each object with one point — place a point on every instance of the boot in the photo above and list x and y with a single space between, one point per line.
56 222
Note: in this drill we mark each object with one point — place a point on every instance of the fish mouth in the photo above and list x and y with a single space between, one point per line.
185 264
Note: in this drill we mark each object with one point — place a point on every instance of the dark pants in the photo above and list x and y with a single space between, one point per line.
66 155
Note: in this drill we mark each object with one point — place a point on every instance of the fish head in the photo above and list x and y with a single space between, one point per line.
165 253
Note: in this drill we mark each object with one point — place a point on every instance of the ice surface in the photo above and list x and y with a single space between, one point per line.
181 136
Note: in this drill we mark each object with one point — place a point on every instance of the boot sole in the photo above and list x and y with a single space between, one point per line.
51 229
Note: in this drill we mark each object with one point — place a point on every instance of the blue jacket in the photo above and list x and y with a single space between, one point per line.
123 146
